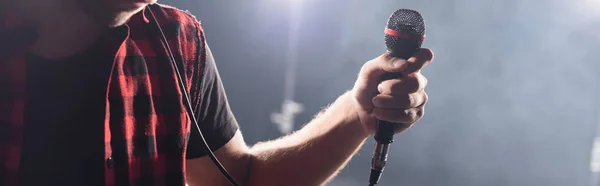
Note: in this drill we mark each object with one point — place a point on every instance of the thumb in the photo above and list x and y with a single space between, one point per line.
370 76
374 69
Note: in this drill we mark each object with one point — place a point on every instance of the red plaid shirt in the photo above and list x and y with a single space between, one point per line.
146 126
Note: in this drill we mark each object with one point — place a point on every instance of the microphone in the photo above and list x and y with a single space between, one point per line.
404 34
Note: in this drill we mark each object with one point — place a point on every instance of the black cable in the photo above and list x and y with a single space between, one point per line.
188 104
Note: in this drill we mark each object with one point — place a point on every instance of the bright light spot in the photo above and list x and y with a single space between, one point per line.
286 3
285 119
595 3
590 7
595 158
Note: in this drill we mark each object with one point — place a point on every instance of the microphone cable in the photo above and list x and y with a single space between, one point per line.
187 102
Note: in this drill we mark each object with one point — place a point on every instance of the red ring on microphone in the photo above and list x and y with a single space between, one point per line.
403 35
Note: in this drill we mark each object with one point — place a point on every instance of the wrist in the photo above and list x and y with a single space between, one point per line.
345 109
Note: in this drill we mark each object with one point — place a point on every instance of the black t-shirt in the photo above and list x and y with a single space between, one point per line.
63 142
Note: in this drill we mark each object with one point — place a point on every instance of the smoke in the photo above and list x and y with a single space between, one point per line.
513 90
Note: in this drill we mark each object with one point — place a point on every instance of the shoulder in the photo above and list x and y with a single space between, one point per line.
174 19
182 28
172 14
186 37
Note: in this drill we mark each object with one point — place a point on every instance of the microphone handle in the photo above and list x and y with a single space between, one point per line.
385 132
384 136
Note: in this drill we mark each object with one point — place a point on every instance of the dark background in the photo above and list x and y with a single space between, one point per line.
513 90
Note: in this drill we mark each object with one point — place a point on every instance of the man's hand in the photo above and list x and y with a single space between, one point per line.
336 131
398 100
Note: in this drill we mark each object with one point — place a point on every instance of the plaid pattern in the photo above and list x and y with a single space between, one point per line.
146 126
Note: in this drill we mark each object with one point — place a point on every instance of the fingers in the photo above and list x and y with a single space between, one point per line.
375 68
406 116
399 79
412 83
404 101
385 63
402 108
420 59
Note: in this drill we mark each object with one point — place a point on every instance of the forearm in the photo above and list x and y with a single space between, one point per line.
311 155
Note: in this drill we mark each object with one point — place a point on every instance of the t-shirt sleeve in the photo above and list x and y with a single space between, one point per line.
216 121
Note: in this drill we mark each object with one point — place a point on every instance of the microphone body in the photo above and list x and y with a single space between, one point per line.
384 136
404 34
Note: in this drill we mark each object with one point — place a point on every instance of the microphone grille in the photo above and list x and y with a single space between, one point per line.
407 21
407 31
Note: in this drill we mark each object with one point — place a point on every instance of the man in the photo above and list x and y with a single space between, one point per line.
89 97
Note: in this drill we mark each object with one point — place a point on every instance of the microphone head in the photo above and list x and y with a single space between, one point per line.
405 32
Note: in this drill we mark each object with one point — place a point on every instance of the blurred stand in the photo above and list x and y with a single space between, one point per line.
290 108
595 162
285 119
595 152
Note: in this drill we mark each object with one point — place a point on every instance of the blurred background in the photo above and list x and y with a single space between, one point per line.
514 98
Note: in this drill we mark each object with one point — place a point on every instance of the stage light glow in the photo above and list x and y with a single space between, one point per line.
590 7
290 2
593 3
